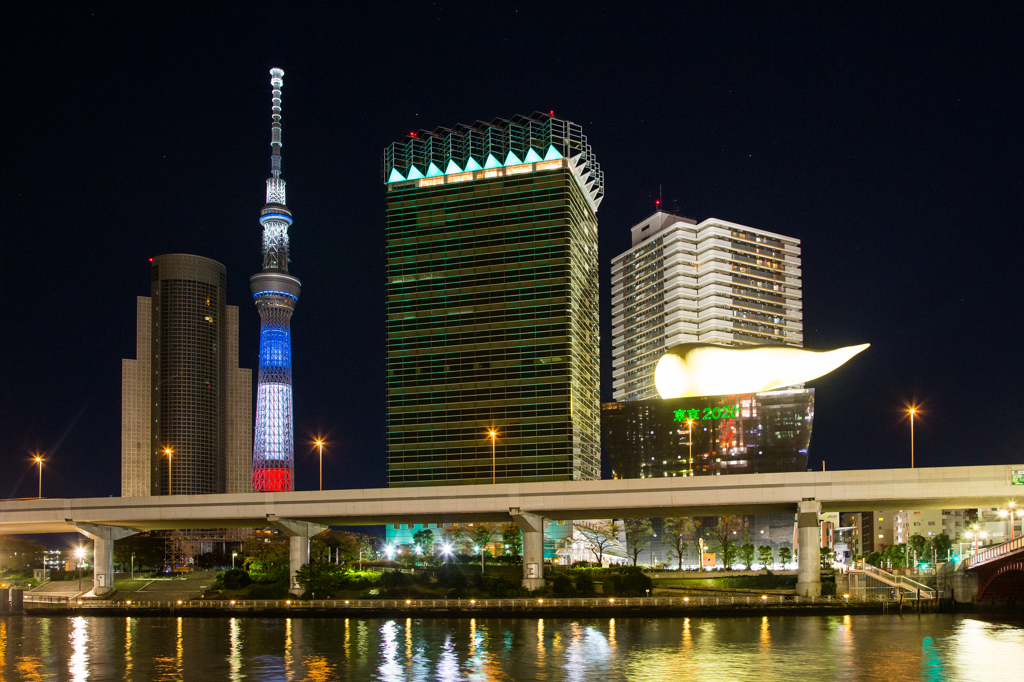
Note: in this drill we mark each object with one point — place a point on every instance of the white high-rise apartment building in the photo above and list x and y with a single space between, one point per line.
710 282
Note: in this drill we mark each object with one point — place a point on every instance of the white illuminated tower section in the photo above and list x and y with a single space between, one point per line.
276 293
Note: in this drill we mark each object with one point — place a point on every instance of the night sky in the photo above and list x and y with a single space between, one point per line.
888 141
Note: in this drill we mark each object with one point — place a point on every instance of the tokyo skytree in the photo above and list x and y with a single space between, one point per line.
276 293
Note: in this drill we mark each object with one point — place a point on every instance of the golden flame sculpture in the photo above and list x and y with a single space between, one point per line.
698 369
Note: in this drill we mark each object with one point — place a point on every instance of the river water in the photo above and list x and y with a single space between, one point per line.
803 648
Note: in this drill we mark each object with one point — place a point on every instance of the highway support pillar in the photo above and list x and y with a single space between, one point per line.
808 540
533 527
299 533
103 538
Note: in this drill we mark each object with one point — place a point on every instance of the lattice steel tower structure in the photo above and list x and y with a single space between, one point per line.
276 293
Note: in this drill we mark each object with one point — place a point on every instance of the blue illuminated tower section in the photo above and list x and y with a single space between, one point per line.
276 293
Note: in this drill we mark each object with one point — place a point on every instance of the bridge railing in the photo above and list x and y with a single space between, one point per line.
745 601
994 552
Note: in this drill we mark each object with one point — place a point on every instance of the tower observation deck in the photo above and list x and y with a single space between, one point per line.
276 293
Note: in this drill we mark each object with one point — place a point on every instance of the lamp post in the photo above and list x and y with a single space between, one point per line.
233 555
39 460
494 461
80 555
170 469
1011 511
912 410
689 437
319 442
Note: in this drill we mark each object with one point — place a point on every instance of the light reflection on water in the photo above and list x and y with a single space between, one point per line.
930 647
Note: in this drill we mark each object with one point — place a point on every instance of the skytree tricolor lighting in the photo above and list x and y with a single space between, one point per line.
276 293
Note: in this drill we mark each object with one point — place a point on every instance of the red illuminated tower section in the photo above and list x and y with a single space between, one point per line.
276 293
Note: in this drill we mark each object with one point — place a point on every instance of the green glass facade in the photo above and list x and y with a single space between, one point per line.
492 322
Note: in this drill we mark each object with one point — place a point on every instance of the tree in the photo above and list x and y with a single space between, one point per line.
316 579
917 544
826 556
746 554
941 544
638 536
726 546
148 549
785 554
512 537
456 537
482 536
266 559
677 531
324 546
20 555
424 539
600 535
764 555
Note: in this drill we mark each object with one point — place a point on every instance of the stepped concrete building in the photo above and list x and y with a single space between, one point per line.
713 282
184 391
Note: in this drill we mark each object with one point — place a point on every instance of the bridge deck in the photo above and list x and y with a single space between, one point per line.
926 488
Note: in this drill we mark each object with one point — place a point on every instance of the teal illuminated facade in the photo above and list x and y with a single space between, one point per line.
492 304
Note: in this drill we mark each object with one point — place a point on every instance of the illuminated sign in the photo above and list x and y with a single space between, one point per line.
699 369
1017 477
430 182
516 170
702 413
461 177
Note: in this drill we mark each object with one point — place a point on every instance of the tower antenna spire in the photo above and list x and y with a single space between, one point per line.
276 81
276 293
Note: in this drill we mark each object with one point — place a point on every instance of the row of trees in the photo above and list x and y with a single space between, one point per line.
902 555
730 543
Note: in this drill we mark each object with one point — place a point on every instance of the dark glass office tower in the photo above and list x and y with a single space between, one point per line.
492 315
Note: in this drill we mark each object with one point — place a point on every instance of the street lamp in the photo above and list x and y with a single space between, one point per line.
912 410
480 549
39 460
494 461
233 555
1011 512
319 443
170 469
80 555
390 551
446 551
689 437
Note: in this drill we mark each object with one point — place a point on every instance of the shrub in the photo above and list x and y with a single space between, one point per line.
394 580
233 579
275 591
452 576
562 586
500 588
585 585
634 583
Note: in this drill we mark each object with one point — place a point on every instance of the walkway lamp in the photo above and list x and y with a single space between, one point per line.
233 555
170 460
446 551
390 551
39 460
481 551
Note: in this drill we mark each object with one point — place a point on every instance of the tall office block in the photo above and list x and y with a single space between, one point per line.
492 316
185 391
713 282
276 293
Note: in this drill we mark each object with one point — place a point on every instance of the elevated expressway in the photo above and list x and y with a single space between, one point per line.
300 515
